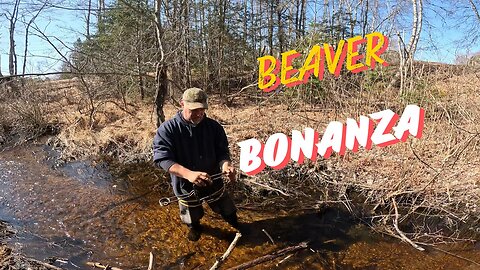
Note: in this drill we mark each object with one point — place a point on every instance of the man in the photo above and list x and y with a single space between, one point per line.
192 148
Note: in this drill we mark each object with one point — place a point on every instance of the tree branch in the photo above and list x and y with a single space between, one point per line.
270 257
225 255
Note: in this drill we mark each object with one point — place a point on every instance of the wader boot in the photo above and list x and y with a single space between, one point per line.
195 231
233 221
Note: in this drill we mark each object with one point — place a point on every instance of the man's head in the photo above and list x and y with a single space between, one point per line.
194 103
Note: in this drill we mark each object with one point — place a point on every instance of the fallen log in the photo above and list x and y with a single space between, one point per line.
270 257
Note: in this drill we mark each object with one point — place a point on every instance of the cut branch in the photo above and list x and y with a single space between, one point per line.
225 255
270 257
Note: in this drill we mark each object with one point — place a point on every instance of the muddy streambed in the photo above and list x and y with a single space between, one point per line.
90 212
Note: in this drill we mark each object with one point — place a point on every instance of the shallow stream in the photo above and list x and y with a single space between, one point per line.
88 211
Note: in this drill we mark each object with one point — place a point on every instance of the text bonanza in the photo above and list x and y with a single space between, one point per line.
279 148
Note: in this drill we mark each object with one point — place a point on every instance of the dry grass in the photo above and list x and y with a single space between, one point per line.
432 179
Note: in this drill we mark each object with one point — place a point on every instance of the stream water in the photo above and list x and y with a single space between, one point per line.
88 211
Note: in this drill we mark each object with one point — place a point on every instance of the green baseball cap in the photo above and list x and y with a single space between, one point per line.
195 98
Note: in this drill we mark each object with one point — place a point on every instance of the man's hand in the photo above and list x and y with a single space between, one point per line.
229 170
200 179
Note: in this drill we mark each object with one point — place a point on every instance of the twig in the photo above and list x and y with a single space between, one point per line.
49 266
455 255
421 160
225 255
241 90
284 259
151 262
270 257
402 235
330 241
268 187
268 235
101 266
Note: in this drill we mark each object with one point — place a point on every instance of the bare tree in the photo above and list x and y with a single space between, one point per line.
416 27
27 29
89 13
1 75
280 31
407 51
407 55
475 9
100 15
13 18
161 78
139 50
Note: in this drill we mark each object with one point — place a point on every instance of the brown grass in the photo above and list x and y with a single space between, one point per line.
436 176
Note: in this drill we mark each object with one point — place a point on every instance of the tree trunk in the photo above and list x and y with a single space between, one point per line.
326 12
475 10
206 50
186 55
416 27
12 57
161 80
27 29
418 17
245 22
407 52
89 13
141 83
303 17
280 27
139 58
365 19
297 18
261 47
270 27
1 75
101 11
161 92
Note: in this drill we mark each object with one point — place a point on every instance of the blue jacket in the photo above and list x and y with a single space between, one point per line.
196 147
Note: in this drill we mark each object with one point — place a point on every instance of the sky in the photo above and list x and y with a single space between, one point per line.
439 40
443 34
64 25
